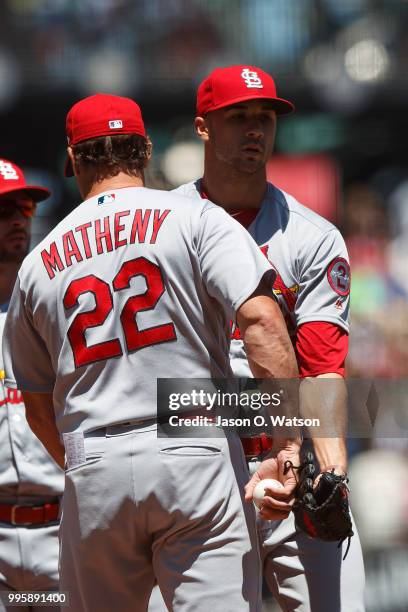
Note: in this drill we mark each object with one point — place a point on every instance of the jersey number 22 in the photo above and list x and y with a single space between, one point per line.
134 337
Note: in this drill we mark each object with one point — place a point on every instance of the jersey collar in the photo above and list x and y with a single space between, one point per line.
244 216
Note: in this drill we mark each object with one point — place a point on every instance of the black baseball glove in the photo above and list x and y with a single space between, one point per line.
322 512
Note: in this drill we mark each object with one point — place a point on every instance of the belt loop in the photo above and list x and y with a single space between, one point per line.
13 514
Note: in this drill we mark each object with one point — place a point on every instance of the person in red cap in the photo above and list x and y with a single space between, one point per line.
31 483
237 112
124 294
17 206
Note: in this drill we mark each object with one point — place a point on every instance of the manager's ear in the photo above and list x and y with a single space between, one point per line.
201 128
71 156
149 151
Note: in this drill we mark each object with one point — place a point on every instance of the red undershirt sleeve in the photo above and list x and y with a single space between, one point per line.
321 348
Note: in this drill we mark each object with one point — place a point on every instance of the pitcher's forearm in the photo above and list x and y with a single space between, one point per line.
325 397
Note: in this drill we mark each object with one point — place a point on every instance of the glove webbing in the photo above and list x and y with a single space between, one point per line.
307 463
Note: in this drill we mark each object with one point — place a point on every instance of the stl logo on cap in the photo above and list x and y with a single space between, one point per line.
7 171
251 79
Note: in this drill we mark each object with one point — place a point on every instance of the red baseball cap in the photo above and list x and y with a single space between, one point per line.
12 182
226 86
102 115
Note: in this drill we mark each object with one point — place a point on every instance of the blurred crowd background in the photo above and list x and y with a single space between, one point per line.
344 153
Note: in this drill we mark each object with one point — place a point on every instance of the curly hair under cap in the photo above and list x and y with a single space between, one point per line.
110 155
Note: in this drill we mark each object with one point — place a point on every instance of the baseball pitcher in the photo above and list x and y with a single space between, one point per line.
237 110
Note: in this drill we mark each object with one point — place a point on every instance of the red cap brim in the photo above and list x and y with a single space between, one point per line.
280 105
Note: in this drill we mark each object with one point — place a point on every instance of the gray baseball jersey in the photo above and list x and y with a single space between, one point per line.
26 469
128 284
310 259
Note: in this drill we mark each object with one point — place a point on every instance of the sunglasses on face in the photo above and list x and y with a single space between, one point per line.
8 209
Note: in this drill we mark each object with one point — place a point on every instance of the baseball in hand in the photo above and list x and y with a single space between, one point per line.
259 491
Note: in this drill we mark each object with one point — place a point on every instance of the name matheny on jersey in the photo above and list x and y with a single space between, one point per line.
102 235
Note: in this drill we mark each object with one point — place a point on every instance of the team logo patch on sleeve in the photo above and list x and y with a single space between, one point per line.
338 275
107 199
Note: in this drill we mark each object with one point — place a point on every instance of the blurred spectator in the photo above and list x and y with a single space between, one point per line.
398 248
382 519
378 305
